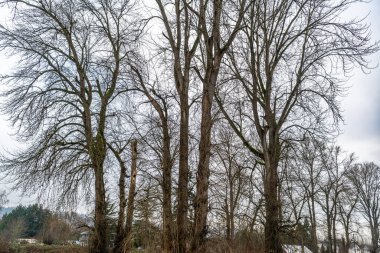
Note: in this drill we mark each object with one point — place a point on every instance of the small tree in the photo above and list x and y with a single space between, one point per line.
56 231
365 179
3 199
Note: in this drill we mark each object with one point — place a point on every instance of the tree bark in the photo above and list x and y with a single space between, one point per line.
120 229
97 152
214 54
100 244
167 242
179 37
271 151
313 219
131 199
183 177
203 172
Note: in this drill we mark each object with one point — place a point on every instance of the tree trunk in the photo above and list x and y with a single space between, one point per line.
203 173
214 54
228 221
313 219
230 207
334 227
99 242
183 177
329 226
314 238
131 199
167 242
375 236
120 229
166 165
346 241
272 208
97 153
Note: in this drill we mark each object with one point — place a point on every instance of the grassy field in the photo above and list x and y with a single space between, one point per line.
47 249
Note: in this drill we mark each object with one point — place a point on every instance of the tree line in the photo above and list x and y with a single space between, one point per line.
34 221
199 112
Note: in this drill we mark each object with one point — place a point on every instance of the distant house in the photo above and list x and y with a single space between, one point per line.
27 240
288 248
84 238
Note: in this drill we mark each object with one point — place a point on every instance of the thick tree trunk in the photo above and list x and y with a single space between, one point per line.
203 173
131 199
98 154
375 236
99 242
346 241
120 229
313 220
183 177
271 150
314 238
272 210
167 242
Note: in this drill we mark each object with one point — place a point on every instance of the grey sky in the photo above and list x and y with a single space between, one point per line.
361 132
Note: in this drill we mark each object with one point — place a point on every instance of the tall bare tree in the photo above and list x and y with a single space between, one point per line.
182 33
71 67
217 37
279 65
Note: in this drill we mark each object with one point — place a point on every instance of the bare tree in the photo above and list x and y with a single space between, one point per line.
346 208
217 37
230 179
120 229
72 65
278 71
161 105
308 174
127 242
182 34
365 178
332 187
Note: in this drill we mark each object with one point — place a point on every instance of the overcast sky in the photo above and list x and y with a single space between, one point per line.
361 131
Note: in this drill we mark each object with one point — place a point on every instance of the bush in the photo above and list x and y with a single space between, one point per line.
4 246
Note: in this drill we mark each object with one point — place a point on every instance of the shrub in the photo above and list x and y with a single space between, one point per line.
4 246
